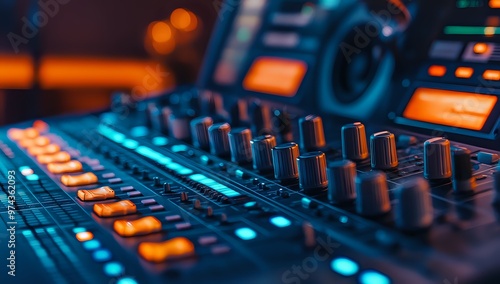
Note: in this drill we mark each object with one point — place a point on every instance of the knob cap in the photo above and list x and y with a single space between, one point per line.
384 155
437 159
179 126
199 131
262 152
312 135
463 181
312 170
239 144
219 140
354 144
414 210
372 194
341 186
285 161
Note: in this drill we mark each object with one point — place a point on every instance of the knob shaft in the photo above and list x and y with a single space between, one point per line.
199 132
414 210
354 144
262 152
312 170
312 135
239 144
341 186
219 140
261 119
285 161
179 126
372 194
384 155
463 181
437 159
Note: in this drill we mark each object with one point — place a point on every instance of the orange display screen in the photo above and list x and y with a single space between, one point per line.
457 109
277 76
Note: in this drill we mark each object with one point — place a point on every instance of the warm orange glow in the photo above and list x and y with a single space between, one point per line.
64 168
172 249
59 157
492 75
44 150
41 126
437 71
79 180
193 24
16 72
464 72
160 31
119 208
142 226
489 31
180 18
457 109
84 236
480 48
276 76
39 141
494 3
101 193
164 48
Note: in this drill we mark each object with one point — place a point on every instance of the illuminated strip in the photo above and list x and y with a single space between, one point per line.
214 185
468 30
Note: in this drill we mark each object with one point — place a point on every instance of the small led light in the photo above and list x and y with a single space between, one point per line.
84 236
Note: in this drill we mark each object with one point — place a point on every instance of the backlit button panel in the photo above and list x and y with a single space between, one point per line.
79 180
101 193
119 208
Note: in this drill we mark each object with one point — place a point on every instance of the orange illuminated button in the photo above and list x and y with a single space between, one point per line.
84 236
15 134
464 72
43 150
63 168
142 226
120 208
480 48
79 180
39 141
60 157
495 4
437 71
172 249
41 126
101 193
492 75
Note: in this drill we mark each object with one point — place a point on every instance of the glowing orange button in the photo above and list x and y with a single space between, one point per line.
15 134
79 180
480 48
67 167
142 226
60 157
495 4
120 208
175 248
43 150
464 72
84 236
437 71
39 141
101 193
492 75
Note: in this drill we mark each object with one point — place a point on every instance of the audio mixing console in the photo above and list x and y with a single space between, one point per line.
289 162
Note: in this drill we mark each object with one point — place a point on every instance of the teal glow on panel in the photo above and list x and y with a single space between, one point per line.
373 277
102 255
250 204
344 266
79 230
126 280
91 245
113 269
245 234
139 131
33 177
131 144
280 221
160 141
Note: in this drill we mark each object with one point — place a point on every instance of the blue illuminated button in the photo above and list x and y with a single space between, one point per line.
245 234
344 266
126 280
79 230
250 204
160 141
280 221
33 177
139 131
373 277
130 144
91 245
102 255
113 269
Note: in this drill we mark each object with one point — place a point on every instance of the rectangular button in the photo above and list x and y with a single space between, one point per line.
44 150
464 72
142 226
101 193
126 188
108 175
79 180
492 75
39 141
437 71
119 208
60 157
147 202
156 208
134 193
173 218
67 167
183 226
114 180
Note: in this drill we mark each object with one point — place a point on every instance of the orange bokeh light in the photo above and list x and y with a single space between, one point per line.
160 32
480 48
180 18
16 71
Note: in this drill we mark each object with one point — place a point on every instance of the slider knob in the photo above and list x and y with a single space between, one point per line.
219 141
372 194
285 161
414 210
199 132
341 186
312 170
239 144
354 144
312 135
384 155
463 181
437 159
262 152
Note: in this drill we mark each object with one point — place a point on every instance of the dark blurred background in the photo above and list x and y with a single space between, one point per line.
66 56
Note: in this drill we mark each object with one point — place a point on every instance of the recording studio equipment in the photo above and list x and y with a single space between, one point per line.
325 142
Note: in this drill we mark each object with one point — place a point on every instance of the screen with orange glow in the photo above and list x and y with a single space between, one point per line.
457 109
276 76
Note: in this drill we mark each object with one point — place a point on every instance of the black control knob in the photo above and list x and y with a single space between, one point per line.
282 126
219 140
156 120
341 186
354 144
414 210
179 126
312 170
239 144
262 152
384 155
463 181
372 194
285 161
239 114
437 159
199 131
312 135
260 116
